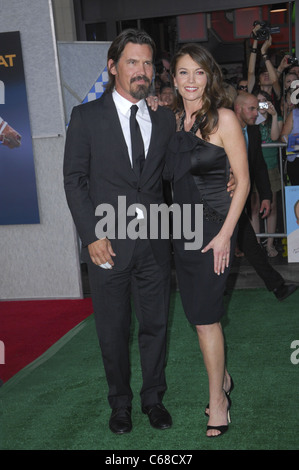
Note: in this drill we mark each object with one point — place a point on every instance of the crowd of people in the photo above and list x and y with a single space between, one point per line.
278 117
206 144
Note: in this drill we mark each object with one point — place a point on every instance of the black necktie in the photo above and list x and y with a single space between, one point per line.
138 156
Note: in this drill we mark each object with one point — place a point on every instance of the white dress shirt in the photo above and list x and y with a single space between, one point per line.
123 107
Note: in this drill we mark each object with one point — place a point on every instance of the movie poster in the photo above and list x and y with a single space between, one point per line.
292 215
18 195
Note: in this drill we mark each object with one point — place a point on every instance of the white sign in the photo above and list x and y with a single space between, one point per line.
292 215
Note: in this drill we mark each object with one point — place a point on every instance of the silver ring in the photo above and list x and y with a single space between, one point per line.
224 258
155 99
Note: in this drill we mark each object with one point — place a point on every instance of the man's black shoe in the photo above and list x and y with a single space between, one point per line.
158 416
120 420
284 291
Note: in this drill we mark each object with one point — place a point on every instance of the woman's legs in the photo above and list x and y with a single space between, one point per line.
211 343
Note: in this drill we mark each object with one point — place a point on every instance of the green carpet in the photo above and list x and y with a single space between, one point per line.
59 401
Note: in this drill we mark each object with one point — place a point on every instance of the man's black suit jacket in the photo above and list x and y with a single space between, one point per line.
257 165
97 170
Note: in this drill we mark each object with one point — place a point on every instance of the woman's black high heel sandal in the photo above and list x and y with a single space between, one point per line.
222 429
232 386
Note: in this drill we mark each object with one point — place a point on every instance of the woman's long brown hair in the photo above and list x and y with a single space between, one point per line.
214 95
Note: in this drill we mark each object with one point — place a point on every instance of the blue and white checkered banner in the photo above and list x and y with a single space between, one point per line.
98 88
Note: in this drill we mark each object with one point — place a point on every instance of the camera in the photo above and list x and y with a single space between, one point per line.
293 61
265 30
263 105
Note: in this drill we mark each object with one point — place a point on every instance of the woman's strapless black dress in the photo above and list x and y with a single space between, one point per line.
199 171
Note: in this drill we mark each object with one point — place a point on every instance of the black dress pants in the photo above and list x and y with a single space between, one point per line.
255 254
112 291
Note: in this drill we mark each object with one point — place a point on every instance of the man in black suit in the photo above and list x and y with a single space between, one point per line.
99 168
246 109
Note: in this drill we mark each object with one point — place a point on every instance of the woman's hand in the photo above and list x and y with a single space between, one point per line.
266 45
271 108
284 63
254 31
221 248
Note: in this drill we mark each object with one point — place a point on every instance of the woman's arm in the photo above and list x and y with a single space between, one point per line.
287 128
233 141
283 65
271 70
276 124
276 127
251 64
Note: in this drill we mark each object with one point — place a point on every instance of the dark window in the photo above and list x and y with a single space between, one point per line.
96 32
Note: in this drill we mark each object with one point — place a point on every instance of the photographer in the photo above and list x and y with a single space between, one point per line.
162 67
284 65
294 67
270 130
291 126
286 105
267 78
288 64
289 78
162 76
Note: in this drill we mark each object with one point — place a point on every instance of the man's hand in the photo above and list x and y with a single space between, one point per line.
101 251
265 208
153 102
231 185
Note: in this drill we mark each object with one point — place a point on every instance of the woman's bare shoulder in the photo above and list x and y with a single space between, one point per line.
227 117
226 113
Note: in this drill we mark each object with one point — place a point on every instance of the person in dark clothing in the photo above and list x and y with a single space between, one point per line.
105 158
246 109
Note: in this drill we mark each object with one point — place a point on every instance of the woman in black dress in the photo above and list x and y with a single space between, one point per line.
208 143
